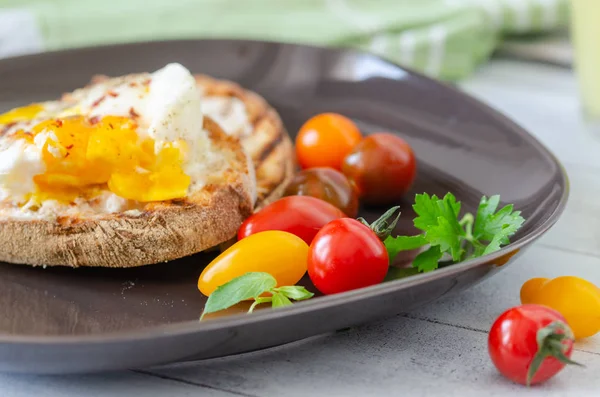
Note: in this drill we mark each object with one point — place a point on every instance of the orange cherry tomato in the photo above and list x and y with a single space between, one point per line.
325 139
281 254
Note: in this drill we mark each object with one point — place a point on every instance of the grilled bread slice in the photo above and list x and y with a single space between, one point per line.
247 115
151 233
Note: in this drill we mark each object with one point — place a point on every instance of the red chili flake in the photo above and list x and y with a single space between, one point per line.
147 82
133 84
98 101
94 120
68 154
133 113
69 147
111 126
59 122
6 127
113 94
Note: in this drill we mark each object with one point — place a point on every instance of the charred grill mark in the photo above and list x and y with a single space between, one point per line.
263 113
268 149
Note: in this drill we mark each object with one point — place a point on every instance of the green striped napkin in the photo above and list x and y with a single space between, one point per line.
442 38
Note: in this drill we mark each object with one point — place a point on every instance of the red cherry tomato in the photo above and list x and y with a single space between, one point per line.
303 216
513 343
326 184
346 255
382 167
324 140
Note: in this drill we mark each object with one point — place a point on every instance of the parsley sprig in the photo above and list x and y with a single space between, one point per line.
460 238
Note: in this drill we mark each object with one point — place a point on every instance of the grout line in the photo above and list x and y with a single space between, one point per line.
190 383
587 351
481 331
430 320
568 250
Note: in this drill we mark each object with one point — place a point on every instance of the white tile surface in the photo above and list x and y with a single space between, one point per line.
398 357
124 384
439 349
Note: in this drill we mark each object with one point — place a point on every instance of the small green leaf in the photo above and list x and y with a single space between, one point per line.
493 246
295 292
394 245
427 211
449 207
488 224
447 237
249 285
428 260
280 300
438 218
486 208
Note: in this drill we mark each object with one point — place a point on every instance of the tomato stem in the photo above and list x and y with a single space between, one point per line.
550 344
384 226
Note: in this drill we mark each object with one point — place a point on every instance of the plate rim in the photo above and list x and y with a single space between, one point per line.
190 327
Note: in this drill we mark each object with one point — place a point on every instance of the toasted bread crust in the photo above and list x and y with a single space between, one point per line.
269 144
161 232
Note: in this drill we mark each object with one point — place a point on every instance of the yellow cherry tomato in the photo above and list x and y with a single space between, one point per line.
576 299
281 254
530 289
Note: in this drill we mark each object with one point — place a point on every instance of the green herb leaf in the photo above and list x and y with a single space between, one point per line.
486 208
394 245
249 285
489 223
438 218
280 300
295 292
427 261
448 235
427 211
430 208
495 227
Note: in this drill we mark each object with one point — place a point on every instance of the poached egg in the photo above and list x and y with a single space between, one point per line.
132 138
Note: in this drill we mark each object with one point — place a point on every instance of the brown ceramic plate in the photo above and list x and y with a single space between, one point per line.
75 320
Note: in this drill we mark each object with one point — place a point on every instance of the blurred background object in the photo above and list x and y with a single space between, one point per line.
586 32
446 39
